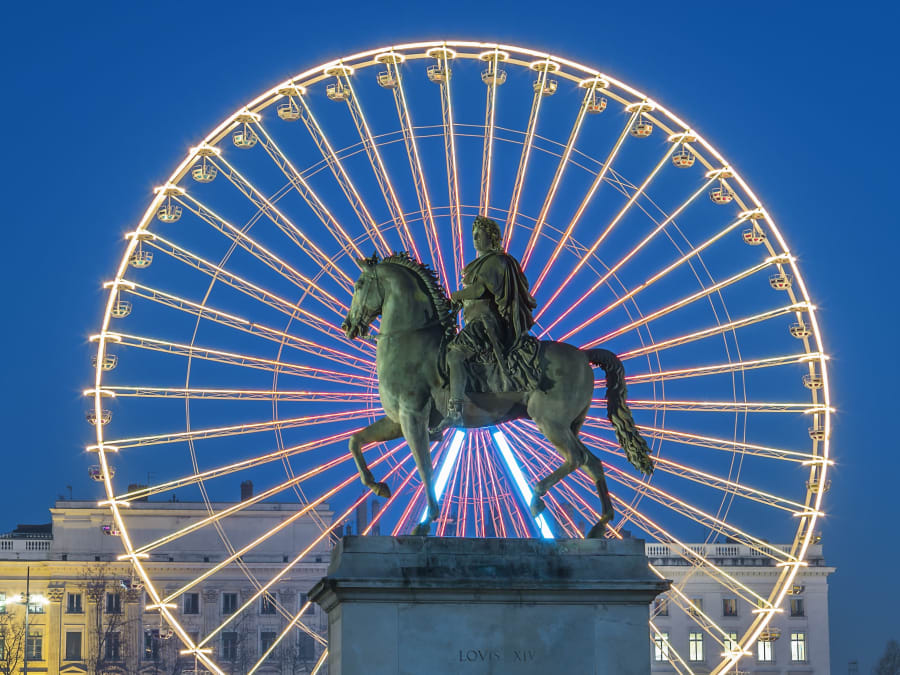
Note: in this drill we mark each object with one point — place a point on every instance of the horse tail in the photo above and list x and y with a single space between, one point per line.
617 411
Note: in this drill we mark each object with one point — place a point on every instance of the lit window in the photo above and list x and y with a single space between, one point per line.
697 606
729 606
731 642
798 647
229 603
797 608
764 651
695 646
191 603
34 644
661 607
267 604
2 603
661 647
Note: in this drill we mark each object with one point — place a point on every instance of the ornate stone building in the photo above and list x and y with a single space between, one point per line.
88 615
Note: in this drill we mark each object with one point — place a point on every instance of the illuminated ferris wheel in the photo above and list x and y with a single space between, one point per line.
221 358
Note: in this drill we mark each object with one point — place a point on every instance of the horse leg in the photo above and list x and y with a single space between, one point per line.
593 467
384 429
415 431
573 456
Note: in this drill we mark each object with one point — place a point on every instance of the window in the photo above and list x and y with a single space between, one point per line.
729 606
695 646
661 647
151 644
36 607
34 644
2 603
73 603
764 651
798 647
697 606
661 607
229 646
229 603
266 640
113 646
2 645
797 608
731 643
267 604
113 603
191 603
73 644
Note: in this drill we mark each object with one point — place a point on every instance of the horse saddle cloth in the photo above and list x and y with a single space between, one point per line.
520 371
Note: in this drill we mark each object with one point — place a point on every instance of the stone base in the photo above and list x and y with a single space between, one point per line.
442 606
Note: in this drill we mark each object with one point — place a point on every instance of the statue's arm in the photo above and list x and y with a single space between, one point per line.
472 292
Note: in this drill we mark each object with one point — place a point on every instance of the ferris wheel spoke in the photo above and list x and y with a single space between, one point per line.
265 256
712 331
649 282
195 393
243 360
540 87
805 408
315 203
243 504
306 508
339 172
342 79
678 304
560 170
283 223
609 228
719 483
492 78
696 514
238 429
256 329
598 179
721 368
443 73
392 500
259 293
696 440
391 62
690 608
218 472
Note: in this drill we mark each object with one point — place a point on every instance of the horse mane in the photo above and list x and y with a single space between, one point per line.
435 291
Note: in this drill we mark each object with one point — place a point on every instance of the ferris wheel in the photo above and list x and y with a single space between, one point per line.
221 358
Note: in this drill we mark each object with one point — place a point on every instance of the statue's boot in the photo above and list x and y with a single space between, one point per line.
454 418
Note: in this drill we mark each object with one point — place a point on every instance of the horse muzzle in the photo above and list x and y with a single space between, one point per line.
354 328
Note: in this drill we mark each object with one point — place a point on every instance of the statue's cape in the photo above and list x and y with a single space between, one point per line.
501 275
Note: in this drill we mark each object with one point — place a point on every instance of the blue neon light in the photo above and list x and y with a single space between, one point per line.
446 468
519 479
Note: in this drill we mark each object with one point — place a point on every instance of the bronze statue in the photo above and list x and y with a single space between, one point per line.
497 310
504 373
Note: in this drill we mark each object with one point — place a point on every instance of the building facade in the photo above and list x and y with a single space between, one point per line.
89 615
795 641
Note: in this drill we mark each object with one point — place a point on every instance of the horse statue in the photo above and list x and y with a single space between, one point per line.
416 323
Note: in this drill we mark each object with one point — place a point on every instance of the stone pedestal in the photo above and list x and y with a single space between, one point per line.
442 606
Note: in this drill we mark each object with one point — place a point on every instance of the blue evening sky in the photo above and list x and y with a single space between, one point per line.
103 99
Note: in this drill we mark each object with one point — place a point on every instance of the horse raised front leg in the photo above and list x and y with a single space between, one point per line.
384 429
415 431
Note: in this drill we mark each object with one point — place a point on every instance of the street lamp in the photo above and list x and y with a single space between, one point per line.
27 600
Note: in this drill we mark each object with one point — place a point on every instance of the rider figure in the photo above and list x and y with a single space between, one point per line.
496 308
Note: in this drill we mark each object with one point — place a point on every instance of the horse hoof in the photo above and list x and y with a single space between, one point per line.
537 506
381 490
597 531
422 530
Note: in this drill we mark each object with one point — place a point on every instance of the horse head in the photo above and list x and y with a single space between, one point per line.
368 298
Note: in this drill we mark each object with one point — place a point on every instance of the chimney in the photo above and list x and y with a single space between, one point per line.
246 490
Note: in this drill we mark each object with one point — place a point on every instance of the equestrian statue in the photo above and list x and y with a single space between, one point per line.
432 376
